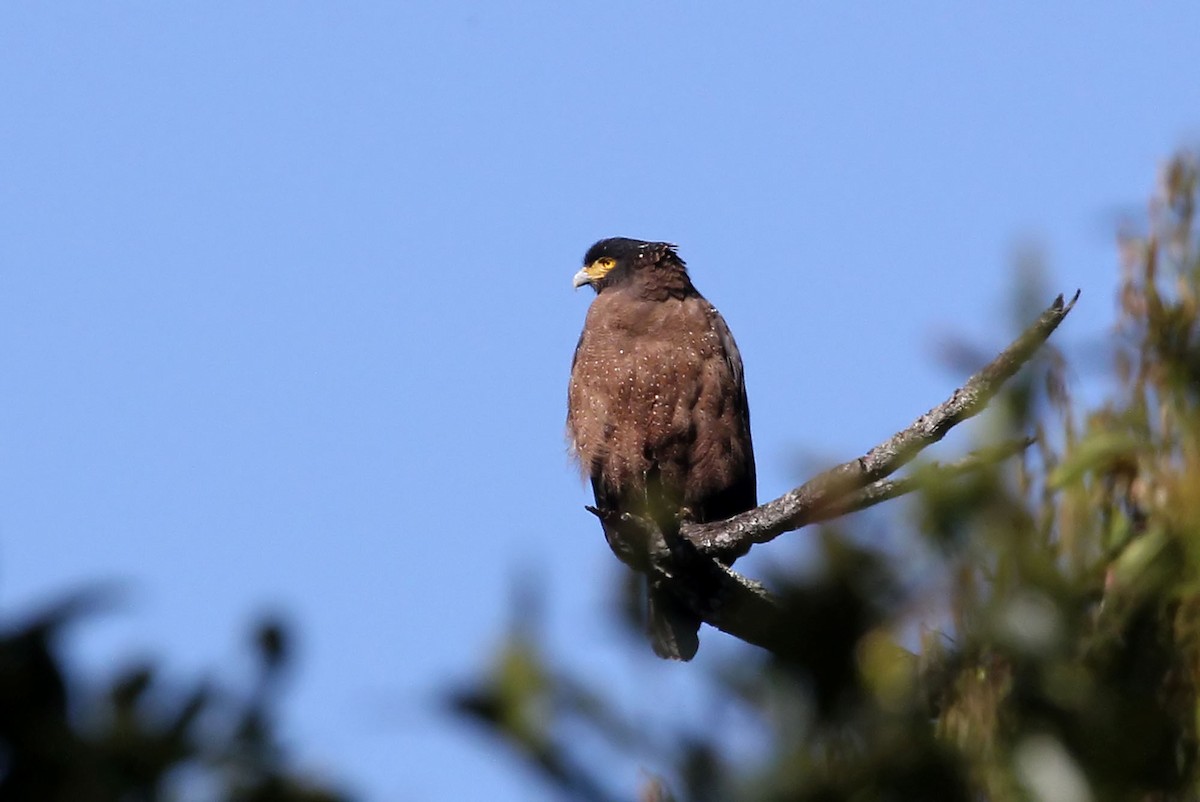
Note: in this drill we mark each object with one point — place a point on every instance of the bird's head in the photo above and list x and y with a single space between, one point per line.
616 260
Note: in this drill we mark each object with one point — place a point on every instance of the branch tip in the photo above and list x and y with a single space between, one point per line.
860 481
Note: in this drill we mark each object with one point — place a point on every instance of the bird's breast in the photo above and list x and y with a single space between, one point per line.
636 386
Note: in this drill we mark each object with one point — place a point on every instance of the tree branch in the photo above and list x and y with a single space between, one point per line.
932 473
721 597
733 603
839 489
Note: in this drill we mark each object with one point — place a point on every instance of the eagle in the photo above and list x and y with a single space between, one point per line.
657 415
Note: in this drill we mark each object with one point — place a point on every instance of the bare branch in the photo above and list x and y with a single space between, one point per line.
934 472
835 488
731 602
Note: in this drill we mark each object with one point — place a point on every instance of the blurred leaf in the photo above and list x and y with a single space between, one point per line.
1100 452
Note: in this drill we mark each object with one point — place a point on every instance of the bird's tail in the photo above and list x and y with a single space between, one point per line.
673 628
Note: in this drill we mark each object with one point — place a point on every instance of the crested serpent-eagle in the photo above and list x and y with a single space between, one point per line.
656 409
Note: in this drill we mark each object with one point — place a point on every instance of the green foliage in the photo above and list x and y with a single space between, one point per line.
1058 601
142 738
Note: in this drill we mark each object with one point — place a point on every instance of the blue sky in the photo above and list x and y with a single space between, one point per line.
286 312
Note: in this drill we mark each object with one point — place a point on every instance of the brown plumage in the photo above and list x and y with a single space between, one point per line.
656 408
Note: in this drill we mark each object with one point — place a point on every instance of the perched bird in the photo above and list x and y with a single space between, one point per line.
656 408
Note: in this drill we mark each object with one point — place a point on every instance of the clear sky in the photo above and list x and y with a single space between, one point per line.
286 313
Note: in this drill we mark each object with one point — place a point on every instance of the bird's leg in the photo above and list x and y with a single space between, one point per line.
635 539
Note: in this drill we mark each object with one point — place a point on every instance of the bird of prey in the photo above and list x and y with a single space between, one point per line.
656 408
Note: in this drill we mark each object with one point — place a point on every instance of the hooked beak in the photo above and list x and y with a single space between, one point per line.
581 278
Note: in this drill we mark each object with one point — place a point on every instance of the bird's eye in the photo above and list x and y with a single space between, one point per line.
605 262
